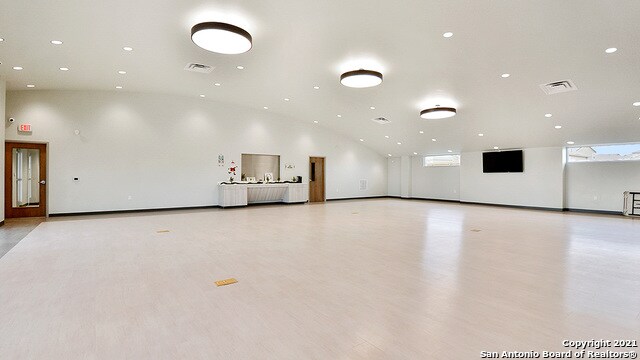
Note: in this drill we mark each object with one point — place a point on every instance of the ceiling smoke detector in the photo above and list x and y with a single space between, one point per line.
557 87
381 120
199 68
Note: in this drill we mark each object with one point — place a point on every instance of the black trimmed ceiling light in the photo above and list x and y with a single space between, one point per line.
438 113
361 78
221 38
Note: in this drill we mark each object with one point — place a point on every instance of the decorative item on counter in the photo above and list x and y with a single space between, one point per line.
268 177
232 168
230 178
243 177
220 160
251 179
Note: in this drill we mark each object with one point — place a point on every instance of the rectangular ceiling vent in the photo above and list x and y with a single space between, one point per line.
200 68
381 120
557 87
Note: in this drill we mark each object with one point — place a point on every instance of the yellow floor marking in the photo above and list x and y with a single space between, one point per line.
226 282
162 231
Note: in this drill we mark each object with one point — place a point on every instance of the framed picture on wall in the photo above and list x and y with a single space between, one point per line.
268 177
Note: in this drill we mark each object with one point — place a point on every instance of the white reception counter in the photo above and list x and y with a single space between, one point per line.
241 194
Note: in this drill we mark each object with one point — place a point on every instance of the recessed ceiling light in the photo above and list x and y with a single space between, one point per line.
361 78
121 72
221 38
118 87
495 148
570 142
388 154
339 115
399 143
611 50
448 34
361 139
415 153
265 107
127 48
481 134
433 140
64 69
201 95
217 84
386 136
287 99
437 113
637 103
372 107
315 121
17 68
56 42
316 87
558 127
449 150
548 115
421 132
505 75
240 67
1 39
31 86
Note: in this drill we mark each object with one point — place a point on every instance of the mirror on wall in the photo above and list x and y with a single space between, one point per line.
258 165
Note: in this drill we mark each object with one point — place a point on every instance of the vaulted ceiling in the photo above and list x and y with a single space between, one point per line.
302 44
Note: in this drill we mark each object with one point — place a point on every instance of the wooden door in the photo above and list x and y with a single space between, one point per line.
25 179
316 179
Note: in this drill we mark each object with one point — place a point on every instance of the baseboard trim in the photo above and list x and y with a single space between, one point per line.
109 212
361 198
433 199
513 206
589 211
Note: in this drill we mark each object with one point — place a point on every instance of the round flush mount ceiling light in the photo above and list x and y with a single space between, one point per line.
361 78
221 38
438 113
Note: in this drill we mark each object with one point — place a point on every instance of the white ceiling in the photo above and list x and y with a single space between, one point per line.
301 44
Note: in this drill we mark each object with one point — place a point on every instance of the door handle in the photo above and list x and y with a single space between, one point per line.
42 182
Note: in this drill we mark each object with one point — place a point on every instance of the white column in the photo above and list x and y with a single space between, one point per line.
3 105
405 177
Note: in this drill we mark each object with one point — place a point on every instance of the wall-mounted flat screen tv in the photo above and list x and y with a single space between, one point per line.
502 161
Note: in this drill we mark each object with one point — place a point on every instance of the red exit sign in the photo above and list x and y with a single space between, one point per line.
24 127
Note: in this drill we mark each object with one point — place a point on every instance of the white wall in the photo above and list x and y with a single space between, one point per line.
599 185
394 168
162 150
441 183
2 132
540 185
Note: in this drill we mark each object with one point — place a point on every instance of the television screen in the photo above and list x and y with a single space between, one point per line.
502 161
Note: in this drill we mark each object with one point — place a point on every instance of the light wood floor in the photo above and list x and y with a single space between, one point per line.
371 279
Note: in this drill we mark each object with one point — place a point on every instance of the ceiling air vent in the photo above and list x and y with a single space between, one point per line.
557 87
381 120
200 68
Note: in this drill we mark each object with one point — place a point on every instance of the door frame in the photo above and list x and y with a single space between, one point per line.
324 183
8 177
